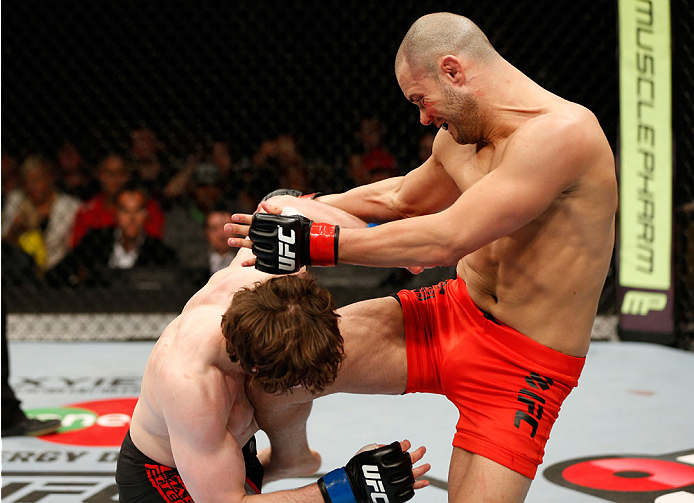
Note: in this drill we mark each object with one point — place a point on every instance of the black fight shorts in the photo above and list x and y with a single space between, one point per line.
143 480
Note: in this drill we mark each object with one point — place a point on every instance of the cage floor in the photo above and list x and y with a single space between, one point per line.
625 434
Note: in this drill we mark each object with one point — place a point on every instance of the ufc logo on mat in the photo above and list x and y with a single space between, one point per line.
285 255
373 479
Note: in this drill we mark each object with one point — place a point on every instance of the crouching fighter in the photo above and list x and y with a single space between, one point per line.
191 435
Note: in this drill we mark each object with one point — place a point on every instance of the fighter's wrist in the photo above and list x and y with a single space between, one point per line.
323 244
335 487
313 195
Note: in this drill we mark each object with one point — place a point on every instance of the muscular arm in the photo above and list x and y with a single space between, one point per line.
207 455
243 276
538 164
426 189
196 408
318 211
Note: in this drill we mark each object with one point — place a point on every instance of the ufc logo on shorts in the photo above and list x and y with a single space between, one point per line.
533 401
285 255
373 478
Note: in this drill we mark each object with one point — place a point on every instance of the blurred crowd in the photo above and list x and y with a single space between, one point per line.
67 222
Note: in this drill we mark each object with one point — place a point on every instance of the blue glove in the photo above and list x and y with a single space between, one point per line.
379 475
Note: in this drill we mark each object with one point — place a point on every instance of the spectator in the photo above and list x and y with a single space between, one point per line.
292 167
239 181
278 163
9 177
18 268
72 176
233 189
100 211
220 254
149 169
221 157
179 185
39 218
122 246
185 229
371 160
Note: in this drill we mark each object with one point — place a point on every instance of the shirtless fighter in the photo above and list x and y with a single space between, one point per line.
520 191
193 416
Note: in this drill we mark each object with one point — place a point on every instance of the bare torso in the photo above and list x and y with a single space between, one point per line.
544 279
193 346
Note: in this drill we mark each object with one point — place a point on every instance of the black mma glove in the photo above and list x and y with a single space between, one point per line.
291 192
381 475
282 244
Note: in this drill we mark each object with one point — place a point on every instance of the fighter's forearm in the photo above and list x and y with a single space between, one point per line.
427 241
374 202
307 494
317 211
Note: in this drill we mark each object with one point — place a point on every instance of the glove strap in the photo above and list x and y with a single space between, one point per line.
323 242
313 195
335 488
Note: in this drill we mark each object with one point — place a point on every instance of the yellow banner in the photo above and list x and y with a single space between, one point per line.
645 149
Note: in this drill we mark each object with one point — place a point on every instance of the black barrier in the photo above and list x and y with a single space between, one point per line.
272 93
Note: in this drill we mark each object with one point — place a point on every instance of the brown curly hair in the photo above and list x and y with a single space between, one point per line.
284 333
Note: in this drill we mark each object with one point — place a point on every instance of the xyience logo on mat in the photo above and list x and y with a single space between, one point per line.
98 423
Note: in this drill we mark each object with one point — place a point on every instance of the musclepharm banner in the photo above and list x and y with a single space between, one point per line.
646 165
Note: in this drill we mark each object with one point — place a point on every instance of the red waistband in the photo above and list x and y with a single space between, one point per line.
516 341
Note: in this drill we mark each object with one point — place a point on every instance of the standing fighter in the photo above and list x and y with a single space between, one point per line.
520 191
193 416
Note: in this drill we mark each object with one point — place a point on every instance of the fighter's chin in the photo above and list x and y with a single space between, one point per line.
459 138
450 129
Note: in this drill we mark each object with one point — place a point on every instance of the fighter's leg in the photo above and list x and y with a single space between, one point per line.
375 356
375 352
375 362
290 455
473 478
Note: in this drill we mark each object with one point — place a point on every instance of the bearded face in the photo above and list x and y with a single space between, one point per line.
461 114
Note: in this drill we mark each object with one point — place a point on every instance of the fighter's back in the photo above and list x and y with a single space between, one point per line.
192 348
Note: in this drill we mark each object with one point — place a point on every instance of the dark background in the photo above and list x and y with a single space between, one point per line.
92 71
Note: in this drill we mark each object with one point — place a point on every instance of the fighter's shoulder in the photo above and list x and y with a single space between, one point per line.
201 318
569 123
190 341
444 145
571 133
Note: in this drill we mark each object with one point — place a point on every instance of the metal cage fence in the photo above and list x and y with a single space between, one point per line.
292 92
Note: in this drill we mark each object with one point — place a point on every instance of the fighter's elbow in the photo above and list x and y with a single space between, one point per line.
403 205
444 255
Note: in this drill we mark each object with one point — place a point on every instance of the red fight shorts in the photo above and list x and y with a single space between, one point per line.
507 387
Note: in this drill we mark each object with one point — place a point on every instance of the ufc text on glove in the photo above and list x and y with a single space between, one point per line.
283 244
382 475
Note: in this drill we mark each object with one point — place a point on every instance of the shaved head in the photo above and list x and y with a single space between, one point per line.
439 34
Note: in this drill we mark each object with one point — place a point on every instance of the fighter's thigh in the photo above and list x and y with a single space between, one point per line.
473 478
375 352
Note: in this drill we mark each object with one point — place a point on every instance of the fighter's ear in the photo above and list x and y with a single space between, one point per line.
452 69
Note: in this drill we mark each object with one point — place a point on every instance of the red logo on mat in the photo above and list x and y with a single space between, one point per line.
629 479
99 423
